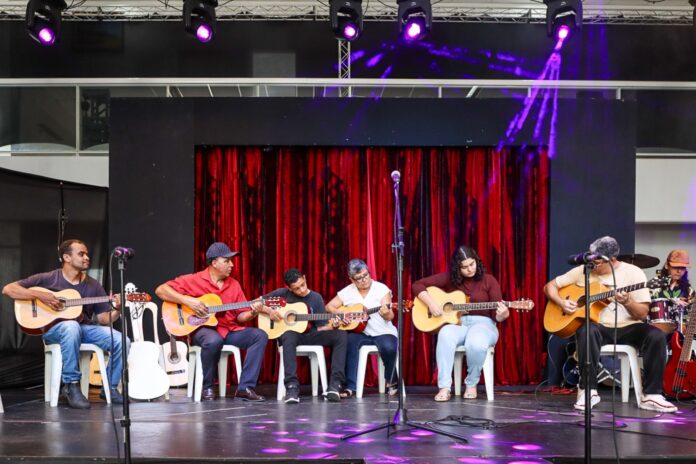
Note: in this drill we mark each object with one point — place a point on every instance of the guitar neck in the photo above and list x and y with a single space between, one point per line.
688 340
230 306
475 307
86 301
610 293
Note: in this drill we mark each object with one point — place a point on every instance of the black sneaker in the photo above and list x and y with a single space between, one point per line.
292 394
332 394
74 395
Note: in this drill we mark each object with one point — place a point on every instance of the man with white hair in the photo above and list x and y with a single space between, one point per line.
625 314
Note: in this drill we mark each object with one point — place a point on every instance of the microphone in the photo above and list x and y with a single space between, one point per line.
396 176
586 257
123 252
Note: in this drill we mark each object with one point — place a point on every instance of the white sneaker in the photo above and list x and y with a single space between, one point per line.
656 402
580 403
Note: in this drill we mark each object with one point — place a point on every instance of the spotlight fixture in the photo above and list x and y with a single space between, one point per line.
199 19
43 20
415 18
346 18
562 17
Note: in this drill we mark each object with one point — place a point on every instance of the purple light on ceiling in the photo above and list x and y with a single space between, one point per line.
361 440
483 436
287 440
318 456
350 31
407 438
372 62
563 32
527 447
204 33
47 36
281 432
459 446
274 450
421 433
413 31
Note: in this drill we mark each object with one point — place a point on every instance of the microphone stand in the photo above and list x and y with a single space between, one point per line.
125 309
401 414
589 266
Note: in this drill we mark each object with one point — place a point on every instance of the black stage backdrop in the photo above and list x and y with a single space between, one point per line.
29 219
152 187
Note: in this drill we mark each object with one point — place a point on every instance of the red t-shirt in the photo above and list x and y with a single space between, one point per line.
200 283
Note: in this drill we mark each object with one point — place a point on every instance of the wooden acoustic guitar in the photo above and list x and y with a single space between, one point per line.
34 317
296 317
565 325
679 380
176 361
454 305
181 320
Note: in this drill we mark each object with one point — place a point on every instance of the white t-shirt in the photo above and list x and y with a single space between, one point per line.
376 325
626 274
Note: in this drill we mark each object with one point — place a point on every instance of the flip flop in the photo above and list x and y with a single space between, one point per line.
470 395
347 393
443 395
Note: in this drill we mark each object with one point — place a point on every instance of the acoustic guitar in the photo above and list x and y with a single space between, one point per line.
176 361
565 325
296 317
34 317
454 305
679 380
358 325
181 320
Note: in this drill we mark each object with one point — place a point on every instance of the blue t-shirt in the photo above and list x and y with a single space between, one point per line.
55 282
313 300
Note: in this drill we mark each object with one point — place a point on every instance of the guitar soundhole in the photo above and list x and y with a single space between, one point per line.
447 307
195 320
290 318
174 358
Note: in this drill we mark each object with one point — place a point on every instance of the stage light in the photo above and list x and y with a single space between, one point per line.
415 18
43 20
346 18
562 17
199 19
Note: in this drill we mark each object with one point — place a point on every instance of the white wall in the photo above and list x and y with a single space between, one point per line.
89 170
665 189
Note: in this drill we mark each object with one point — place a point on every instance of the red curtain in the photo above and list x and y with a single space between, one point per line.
316 208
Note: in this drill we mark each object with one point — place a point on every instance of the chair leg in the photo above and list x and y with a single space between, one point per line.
104 376
198 382
56 371
458 365
47 376
321 361
281 378
625 376
85 358
637 382
192 358
488 375
314 363
381 382
362 369
222 372
238 364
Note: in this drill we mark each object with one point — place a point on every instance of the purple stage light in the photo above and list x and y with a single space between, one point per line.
47 36
350 31
563 32
413 30
527 447
204 33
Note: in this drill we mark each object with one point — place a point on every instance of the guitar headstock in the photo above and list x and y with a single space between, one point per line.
275 302
658 282
138 297
525 304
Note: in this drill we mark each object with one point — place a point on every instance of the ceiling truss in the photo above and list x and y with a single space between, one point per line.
520 11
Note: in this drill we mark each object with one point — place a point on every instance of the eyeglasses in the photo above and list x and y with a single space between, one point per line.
678 268
362 278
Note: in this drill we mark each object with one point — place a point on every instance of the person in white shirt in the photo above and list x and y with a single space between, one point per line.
379 331
629 310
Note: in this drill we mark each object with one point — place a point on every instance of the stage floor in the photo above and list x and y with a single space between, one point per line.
519 426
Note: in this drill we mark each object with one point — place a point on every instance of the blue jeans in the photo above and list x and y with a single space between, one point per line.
386 345
477 334
70 334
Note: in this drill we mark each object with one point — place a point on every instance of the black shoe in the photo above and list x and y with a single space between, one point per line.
116 397
292 394
249 394
208 394
332 394
74 395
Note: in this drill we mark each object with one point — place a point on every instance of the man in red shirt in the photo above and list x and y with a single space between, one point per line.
216 279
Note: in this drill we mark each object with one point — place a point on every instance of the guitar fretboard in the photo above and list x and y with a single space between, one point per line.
86 301
610 293
230 306
485 306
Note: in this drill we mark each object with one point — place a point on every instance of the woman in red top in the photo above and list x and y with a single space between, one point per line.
477 333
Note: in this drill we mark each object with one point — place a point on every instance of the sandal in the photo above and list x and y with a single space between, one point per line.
393 389
470 394
347 393
443 395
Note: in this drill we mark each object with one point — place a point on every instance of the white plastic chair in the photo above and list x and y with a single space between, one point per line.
53 368
228 350
488 371
317 363
365 352
630 369
137 314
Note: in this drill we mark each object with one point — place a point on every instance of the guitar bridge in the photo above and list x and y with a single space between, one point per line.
34 311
